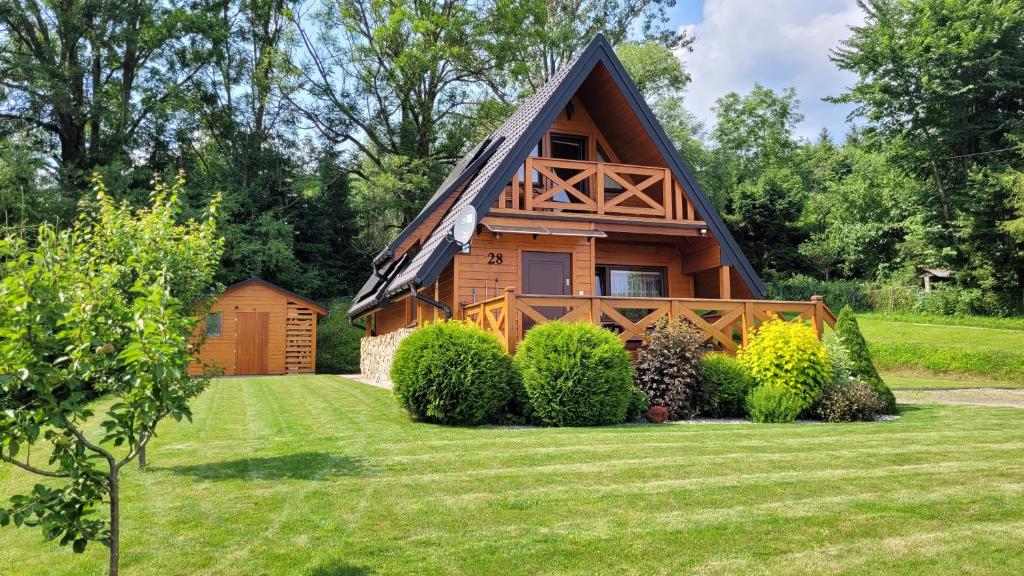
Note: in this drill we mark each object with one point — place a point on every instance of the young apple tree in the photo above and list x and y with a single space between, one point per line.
106 308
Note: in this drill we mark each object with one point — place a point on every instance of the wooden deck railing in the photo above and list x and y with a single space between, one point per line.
724 322
601 188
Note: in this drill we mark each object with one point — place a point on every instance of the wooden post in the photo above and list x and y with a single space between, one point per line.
515 189
600 187
724 283
528 185
595 310
510 307
819 315
666 193
748 321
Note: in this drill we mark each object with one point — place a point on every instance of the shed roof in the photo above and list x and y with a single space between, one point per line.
937 272
489 166
314 305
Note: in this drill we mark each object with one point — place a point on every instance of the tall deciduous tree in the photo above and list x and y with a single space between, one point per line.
945 79
106 306
94 74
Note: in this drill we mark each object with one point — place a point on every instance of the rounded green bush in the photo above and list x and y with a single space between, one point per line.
774 404
575 374
729 382
788 355
452 373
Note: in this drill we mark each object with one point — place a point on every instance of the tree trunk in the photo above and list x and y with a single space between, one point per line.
115 522
142 457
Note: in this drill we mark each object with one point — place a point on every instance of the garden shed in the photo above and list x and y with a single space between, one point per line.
256 327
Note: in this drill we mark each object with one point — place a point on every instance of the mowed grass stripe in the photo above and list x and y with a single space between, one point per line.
314 475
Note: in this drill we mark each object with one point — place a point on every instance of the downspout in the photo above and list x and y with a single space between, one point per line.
362 327
427 299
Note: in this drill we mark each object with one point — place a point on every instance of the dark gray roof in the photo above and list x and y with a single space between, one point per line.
512 142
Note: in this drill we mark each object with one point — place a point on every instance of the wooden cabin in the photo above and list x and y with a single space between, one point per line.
256 327
585 212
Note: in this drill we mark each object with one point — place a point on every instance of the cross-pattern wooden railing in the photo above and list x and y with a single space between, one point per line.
601 188
725 323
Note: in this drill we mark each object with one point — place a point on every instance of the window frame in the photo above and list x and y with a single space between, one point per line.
220 324
602 278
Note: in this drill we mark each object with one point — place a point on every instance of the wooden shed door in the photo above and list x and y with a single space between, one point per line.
253 337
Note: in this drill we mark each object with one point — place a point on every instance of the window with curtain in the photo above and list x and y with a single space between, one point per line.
631 282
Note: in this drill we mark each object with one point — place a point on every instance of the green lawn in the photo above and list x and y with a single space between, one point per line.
320 476
914 381
920 345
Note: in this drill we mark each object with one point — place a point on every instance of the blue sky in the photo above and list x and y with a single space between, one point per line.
777 43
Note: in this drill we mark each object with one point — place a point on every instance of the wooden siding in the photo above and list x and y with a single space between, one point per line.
221 352
479 280
392 317
665 256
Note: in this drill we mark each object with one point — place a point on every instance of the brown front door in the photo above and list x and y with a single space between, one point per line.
251 344
546 273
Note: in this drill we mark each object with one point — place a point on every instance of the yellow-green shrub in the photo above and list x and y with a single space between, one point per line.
789 355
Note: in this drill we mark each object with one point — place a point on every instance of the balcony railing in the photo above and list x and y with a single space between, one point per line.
725 323
596 188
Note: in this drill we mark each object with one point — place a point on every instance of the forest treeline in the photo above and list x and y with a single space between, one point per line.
326 124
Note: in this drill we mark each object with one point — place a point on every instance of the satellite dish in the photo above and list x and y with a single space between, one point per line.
465 225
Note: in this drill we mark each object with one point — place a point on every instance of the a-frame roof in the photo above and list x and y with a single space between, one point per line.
489 166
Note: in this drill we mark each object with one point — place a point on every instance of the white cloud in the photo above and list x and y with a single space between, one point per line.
777 43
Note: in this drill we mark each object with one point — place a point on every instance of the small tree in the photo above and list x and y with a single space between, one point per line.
105 307
861 366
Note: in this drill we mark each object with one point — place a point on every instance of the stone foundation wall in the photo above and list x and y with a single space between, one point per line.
376 354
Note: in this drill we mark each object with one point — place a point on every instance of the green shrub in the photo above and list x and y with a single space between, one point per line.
853 401
838 358
787 355
452 373
729 382
836 292
638 405
775 404
575 374
337 341
861 366
668 369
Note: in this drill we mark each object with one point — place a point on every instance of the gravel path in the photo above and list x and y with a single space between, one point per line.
974 396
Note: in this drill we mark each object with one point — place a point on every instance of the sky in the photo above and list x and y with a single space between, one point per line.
777 43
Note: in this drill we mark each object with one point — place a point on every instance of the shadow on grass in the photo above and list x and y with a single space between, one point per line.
339 568
302 466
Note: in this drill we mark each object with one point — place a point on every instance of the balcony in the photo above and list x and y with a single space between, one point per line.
726 324
581 189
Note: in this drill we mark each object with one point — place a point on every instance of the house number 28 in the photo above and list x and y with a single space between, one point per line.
494 257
